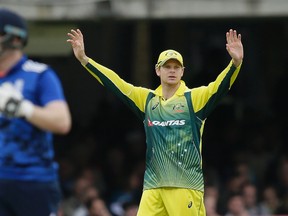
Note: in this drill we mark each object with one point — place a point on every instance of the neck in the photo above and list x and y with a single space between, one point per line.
169 90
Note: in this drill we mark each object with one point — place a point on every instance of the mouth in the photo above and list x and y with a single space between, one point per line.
171 77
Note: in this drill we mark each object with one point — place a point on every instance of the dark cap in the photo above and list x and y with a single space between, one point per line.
12 23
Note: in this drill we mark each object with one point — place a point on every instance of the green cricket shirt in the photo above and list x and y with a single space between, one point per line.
173 127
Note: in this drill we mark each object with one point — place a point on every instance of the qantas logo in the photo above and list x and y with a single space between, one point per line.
166 123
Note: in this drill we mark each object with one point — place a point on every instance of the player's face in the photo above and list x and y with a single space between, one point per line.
171 72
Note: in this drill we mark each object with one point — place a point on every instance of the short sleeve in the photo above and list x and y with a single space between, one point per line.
49 87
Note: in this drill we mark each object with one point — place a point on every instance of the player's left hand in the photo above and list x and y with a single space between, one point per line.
12 103
234 46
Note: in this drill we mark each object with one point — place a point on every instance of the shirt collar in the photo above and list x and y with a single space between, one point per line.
18 65
180 91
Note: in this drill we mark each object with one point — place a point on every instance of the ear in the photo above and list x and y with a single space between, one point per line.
157 70
182 71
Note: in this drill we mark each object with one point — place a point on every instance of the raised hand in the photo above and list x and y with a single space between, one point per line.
234 46
77 42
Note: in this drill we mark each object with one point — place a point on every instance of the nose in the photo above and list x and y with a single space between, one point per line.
174 69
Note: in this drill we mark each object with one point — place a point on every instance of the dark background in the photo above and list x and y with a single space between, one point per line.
248 126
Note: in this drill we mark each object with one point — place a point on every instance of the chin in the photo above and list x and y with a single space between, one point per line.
172 83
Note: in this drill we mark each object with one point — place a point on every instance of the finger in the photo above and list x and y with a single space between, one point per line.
73 34
239 37
74 31
229 36
70 35
232 35
79 34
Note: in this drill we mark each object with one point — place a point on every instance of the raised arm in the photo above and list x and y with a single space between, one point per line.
133 96
77 42
234 47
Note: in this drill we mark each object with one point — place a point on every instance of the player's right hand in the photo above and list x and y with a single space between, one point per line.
77 42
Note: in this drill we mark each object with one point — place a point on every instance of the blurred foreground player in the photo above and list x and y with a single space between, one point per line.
32 108
173 117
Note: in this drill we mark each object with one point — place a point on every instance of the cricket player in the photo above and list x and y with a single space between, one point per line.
173 116
32 108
